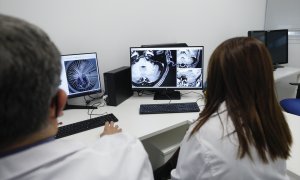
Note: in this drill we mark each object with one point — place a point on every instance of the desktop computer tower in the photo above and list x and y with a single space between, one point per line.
118 85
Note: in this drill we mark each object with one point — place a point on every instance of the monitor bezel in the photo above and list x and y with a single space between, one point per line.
165 45
168 88
99 76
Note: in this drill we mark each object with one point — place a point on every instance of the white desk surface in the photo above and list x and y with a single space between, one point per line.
141 126
285 71
146 126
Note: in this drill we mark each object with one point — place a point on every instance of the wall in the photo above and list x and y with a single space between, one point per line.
283 14
294 49
111 27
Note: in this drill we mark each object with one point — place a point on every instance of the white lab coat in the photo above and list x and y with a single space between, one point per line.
112 157
210 154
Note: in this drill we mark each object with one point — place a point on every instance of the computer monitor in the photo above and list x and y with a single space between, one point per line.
260 35
166 69
80 74
277 43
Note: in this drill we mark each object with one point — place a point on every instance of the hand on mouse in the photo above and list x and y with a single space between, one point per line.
110 128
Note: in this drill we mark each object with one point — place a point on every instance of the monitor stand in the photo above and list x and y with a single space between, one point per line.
166 94
275 66
68 106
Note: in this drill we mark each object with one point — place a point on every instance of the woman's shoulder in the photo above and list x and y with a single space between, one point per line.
218 126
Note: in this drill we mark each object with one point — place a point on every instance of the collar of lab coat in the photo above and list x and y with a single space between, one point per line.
222 108
40 155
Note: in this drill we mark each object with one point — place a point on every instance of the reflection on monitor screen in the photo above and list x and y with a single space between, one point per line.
277 42
260 35
80 74
166 68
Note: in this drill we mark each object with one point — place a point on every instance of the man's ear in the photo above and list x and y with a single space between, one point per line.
58 103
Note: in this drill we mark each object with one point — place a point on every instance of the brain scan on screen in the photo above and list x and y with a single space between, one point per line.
82 75
166 67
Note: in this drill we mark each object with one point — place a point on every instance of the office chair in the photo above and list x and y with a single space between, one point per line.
292 105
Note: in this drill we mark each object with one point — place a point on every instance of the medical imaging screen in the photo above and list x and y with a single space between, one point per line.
173 67
80 74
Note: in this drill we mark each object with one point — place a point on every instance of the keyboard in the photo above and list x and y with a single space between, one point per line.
84 125
169 108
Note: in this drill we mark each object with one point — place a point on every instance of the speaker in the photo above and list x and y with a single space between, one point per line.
118 85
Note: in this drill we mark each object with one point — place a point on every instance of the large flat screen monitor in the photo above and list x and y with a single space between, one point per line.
260 35
166 69
277 43
80 74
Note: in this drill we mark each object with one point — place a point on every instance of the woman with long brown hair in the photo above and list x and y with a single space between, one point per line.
242 132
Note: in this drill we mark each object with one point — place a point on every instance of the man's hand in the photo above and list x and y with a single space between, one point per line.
110 128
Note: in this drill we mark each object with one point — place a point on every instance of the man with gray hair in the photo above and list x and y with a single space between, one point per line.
30 102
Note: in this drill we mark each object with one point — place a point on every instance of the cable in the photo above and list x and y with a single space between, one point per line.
88 101
97 104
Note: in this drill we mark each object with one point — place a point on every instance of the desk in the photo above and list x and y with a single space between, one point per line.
283 76
146 126
281 73
141 126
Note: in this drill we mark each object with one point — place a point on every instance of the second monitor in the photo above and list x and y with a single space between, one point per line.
166 69
277 43
80 76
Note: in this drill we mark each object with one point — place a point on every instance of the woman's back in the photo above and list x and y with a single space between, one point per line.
211 153
241 133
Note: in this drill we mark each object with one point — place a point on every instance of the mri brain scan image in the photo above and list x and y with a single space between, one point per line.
149 68
175 67
81 75
189 77
188 58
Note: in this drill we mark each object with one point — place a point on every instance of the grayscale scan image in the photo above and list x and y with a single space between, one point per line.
189 77
176 67
152 68
82 75
189 58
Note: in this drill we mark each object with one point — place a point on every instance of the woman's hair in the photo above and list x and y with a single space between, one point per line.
240 73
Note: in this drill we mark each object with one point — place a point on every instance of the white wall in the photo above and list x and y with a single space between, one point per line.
294 49
111 27
283 14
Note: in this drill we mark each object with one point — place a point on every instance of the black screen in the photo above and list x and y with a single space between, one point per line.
260 35
277 43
